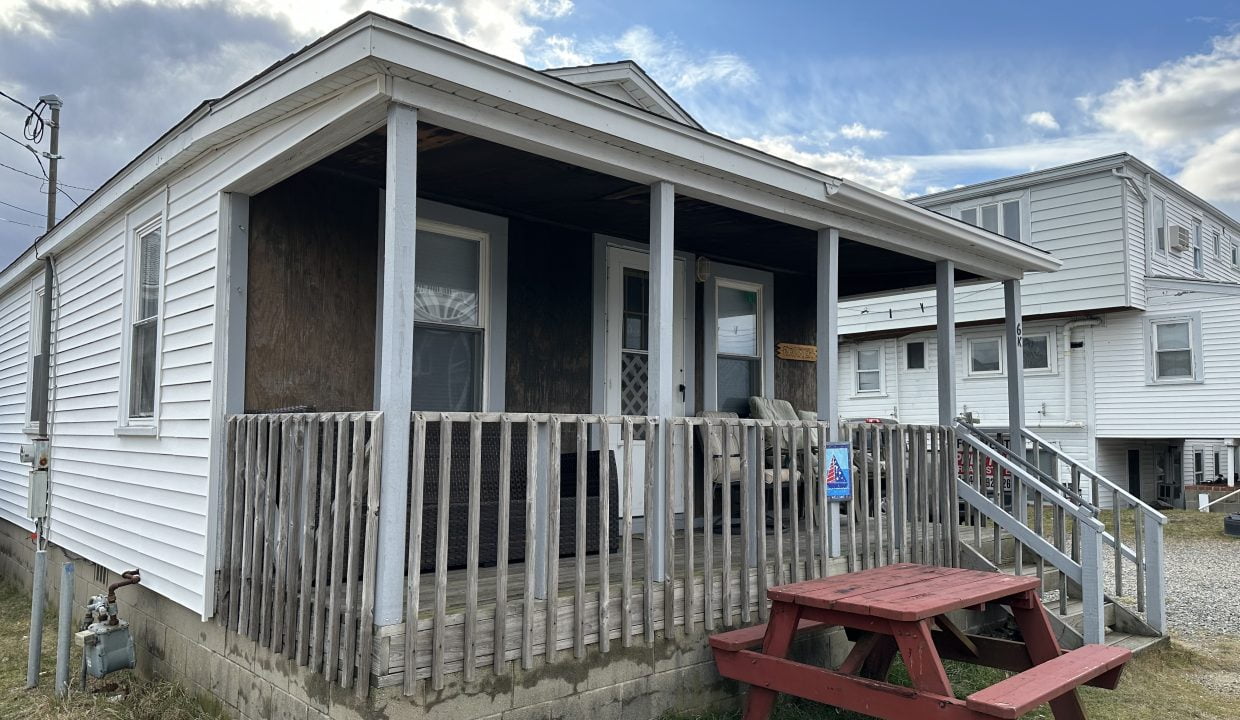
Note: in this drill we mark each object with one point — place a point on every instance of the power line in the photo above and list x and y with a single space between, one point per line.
61 186
33 129
15 207
36 227
20 172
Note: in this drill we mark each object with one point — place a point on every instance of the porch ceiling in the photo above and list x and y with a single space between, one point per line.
462 170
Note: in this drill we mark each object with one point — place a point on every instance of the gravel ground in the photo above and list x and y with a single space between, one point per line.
1203 583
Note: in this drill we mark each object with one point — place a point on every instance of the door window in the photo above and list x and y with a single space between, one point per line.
449 324
739 360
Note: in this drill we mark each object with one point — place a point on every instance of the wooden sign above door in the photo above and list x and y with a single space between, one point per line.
791 351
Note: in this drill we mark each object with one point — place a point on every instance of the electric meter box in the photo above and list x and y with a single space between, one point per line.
36 502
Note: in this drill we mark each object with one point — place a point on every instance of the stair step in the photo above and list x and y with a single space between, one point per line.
1075 617
1135 643
1050 574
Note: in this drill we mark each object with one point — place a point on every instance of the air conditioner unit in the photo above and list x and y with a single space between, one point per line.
1179 238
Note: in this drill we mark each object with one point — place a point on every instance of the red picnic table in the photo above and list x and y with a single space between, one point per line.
902 608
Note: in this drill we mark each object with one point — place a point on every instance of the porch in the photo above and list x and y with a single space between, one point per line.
516 354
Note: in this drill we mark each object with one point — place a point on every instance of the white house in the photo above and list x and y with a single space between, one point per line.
1130 351
386 370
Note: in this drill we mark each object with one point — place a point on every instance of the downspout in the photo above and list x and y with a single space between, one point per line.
1067 362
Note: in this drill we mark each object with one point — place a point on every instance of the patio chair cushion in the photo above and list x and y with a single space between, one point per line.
761 408
712 445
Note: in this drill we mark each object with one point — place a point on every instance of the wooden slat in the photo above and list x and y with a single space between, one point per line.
268 565
223 583
370 556
357 467
669 530
777 495
309 529
531 485
296 518
579 536
553 532
1139 547
471 543
813 474
323 538
652 454
794 506
247 584
854 563
889 486
413 568
725 525
746 519
282 533
441 554
690 533
876 492
604 536
626 579
862 505
760 512
501 560
708 527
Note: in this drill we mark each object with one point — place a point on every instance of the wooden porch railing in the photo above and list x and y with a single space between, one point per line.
299 538
524 540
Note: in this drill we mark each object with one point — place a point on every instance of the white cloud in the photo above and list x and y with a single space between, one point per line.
857 131
884 174
1214 171
1042 119
677 68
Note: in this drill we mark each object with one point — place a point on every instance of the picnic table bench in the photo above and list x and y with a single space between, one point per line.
903 608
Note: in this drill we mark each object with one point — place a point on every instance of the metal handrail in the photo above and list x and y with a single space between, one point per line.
1127 496
1215 502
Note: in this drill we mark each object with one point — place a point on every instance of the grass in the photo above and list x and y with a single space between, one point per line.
1201 681
1181 524
137 699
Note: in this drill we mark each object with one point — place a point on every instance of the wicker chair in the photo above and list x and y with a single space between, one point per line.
488 507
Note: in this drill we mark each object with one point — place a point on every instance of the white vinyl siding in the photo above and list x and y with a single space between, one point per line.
1202 227
1079 220
15 317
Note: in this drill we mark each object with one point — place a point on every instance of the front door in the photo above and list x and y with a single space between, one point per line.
627 325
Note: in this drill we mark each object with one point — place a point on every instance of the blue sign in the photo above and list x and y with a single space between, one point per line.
839 472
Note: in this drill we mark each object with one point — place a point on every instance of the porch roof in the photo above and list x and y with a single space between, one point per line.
472 91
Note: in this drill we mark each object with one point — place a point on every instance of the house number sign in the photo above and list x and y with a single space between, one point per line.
802 353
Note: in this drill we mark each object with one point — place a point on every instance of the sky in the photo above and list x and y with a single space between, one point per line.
906 97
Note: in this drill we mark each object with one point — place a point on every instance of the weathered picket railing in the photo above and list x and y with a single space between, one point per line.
539 535
299 538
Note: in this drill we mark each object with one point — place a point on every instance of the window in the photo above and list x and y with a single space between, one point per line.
1218 245
1218 467
1160 224
1198 259
915 355
738 353
449 318
985 356
1174 348
144 322
1199 467
1036 350
1002 218
869 363
1233 248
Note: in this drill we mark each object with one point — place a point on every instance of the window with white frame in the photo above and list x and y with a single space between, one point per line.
1198 256
36 352
1199 467
985 356
1174 348
738 344
1002 217
144 321
1218 467
1233 248
1218 244
449 344
1160 224
869 369
1038 353
915 355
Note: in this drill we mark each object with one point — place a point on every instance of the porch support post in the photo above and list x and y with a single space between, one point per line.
827 369
1015 363
396 349
945 300
660 379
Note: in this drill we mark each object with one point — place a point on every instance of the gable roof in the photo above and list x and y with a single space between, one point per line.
625 80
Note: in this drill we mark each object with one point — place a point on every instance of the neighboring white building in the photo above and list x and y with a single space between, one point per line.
1132 349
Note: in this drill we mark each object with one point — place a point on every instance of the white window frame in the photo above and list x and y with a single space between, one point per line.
1199 252
999 201
483 238
1193 319
1233 248
879 348
1217 239
151 214
1051 354
1199 466
760 333
968 356
1161 241
925 355
31 426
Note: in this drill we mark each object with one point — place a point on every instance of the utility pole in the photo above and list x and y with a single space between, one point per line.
40 455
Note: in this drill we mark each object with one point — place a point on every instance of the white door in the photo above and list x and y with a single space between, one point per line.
625 371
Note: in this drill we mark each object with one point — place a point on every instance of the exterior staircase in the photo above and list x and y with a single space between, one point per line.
1038 521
